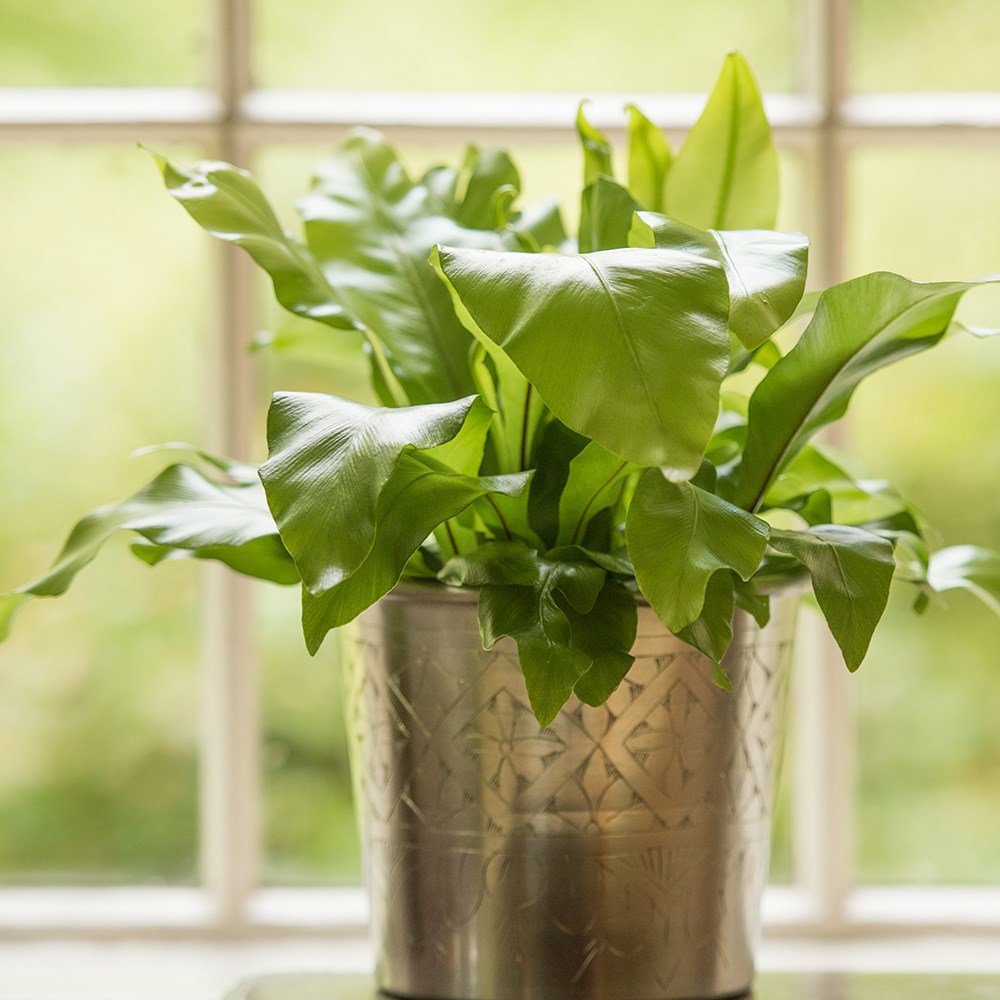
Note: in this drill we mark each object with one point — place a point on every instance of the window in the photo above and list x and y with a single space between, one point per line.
888 162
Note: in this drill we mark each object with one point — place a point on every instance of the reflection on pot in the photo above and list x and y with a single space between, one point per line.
621 852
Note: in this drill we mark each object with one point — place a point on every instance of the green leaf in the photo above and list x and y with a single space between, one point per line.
550 666
370 228
329 460
767 355
226 202
814 481
415 500
505 517
533 617
706 477
649 160
229 205
982 332
577 579
627 347
766 270
678 536
490 171
596 149
179 510
555 448
520 411
492 562
909 553
594 482
10 605
579 553
726 444
720 677
755 604
767 276
815 507
605 634
424 564
606 212
859 326
541 226
812 469
970 568
239 472
712 631
726 173
464 452
851 572
441 182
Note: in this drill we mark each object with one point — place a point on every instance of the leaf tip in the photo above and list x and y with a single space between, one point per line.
853 657
10 605
720 677
545 718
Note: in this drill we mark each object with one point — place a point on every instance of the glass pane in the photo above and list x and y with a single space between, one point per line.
309 827
579 46
921 45
103 43
310 832
782 870
103 336
929 757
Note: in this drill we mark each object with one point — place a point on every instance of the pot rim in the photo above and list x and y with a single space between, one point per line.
438 591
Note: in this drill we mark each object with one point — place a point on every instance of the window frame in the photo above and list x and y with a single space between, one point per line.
823 122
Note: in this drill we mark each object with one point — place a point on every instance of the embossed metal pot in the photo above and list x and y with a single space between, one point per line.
619 853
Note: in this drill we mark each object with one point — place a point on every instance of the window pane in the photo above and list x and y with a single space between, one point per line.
101 352
922 45
102 43
583 46
929 755
310 832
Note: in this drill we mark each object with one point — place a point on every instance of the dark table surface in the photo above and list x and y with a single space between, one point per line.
769 986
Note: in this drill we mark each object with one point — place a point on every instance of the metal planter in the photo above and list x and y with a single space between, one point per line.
619 853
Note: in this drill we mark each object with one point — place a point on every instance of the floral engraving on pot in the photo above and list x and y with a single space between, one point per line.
601 844
513 752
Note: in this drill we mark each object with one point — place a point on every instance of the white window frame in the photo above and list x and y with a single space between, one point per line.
823 123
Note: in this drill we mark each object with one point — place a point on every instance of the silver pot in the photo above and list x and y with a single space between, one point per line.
619 853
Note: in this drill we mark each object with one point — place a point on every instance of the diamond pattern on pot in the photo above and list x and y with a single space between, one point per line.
618 839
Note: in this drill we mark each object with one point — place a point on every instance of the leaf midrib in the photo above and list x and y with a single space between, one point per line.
623 330
776 464
730 162
688 564
396 233
153 522
273 227
734 273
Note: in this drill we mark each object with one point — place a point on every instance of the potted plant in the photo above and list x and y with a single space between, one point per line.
574 528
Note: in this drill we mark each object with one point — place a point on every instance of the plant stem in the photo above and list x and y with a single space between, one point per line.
379 361
503 522
578 530
523 455
451 537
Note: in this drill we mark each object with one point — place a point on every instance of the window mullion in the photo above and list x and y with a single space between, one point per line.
231 825
825 733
